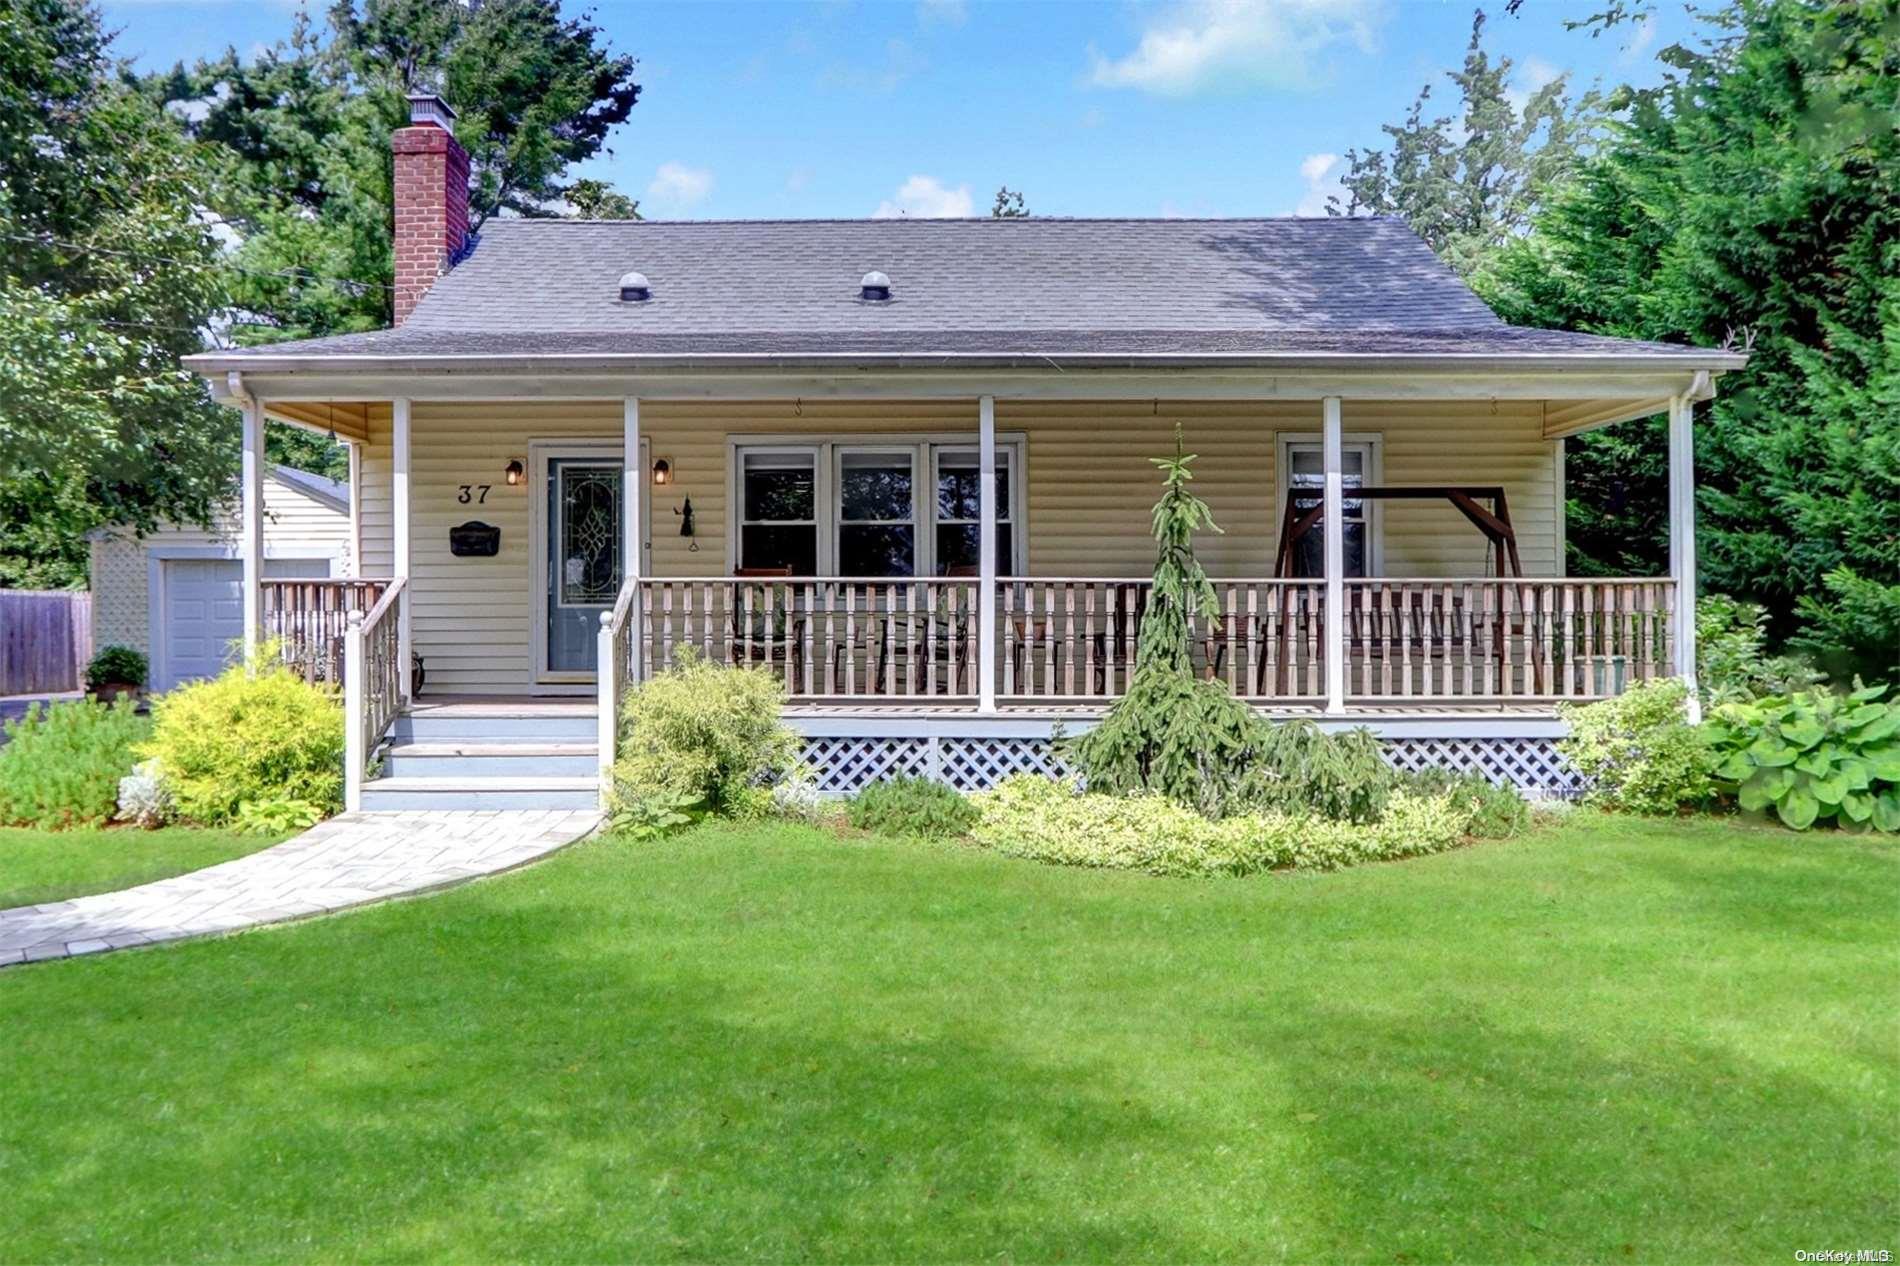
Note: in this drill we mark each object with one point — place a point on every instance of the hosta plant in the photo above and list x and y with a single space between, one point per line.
1813 757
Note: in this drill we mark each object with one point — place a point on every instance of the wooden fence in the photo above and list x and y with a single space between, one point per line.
45 641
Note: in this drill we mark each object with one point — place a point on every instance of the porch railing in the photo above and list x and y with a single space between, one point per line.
1568 638
1065 638
372 684
1068 638
308 617
825 637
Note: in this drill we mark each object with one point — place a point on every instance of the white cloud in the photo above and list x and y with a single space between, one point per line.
675 187
942 12
1321 172
1640 40
901 61
1531 76
1212 45
926 198
798 179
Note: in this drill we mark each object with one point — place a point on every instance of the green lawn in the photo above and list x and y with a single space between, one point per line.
1606 1041
38 866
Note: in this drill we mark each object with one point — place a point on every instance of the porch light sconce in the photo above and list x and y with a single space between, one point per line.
662 472
514 472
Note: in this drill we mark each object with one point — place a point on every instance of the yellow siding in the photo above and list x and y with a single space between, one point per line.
1090 486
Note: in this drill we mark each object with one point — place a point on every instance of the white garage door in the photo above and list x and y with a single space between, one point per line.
203 612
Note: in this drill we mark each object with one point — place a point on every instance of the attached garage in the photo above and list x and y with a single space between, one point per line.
177 594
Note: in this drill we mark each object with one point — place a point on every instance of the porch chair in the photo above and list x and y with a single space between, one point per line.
955 642
776 631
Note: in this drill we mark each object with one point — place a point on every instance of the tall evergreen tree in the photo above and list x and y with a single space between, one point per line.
1471 180
1752 197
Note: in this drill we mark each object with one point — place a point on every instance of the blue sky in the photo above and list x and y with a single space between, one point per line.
923 107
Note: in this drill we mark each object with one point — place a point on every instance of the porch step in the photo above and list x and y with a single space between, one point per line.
485 759
512 792
495 727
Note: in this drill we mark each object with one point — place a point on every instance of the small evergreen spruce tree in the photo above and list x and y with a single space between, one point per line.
1188 738
1172 732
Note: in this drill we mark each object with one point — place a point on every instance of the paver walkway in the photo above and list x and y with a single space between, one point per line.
350 860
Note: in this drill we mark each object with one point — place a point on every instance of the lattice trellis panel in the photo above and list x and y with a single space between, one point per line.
1532 765
972 763
845 764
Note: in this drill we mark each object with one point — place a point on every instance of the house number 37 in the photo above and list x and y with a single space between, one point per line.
478 493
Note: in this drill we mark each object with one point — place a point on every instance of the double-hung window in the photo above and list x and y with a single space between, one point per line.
877 512
778 510
886 506
959 523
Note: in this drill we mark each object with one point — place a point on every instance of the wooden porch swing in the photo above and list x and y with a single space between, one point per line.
1375 627
1495 523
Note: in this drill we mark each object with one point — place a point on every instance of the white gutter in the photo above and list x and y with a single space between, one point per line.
844 362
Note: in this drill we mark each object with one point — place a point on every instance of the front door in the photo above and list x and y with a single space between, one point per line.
579 553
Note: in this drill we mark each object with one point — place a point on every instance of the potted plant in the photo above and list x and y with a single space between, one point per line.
116 672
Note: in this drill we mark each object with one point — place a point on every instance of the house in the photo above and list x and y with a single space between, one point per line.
177 593
906 466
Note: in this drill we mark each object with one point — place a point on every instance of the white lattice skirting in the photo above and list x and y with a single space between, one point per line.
847 764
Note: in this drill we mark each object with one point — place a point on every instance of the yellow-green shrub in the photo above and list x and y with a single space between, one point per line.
239 737
704 734
61 766
1039 818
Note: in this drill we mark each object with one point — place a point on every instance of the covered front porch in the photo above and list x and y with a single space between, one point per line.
1371 570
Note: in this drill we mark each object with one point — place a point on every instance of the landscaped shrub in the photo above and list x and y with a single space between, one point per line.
60 766
277 815
1182 736
1732 662
704 735
920 807
144 799
1297 768
116 665
238 737
1638 750
1493 811
1035 817
1814 757
796 796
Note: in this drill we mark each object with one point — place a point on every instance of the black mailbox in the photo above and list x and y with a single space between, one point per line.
474 540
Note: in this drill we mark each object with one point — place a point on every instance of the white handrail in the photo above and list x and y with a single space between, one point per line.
614 670
372 685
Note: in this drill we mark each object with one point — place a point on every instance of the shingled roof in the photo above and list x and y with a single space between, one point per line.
1037 287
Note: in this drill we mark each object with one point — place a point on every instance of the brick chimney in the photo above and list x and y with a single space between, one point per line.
431 191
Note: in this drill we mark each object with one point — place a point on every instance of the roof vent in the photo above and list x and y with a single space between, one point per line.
634 288
875 286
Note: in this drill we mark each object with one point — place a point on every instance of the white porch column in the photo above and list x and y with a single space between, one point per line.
986 555
251 547
1682 539
399 512
1333 521
633 484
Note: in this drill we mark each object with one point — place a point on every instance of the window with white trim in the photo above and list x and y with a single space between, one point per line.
879 506
1303 479
778 510
959 523
877 512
